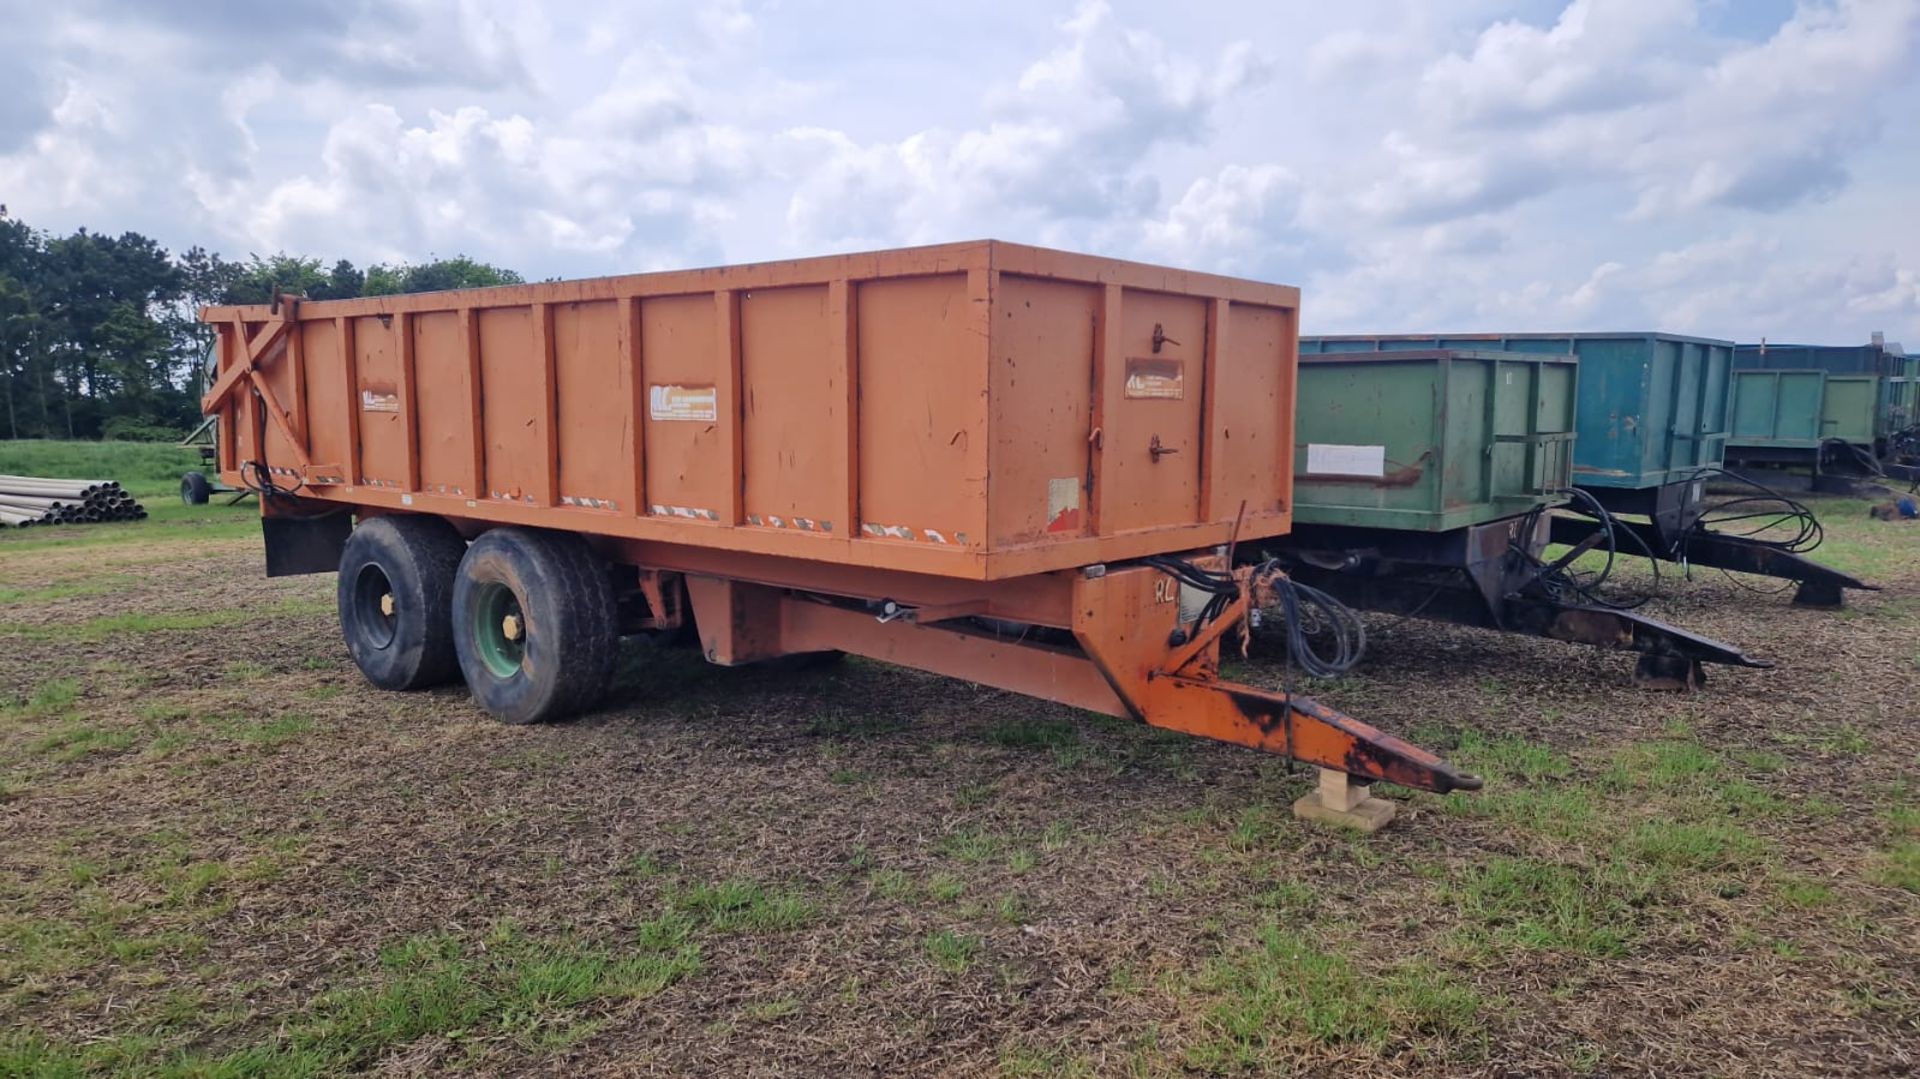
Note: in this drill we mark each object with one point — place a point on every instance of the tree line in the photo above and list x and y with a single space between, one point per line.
100 335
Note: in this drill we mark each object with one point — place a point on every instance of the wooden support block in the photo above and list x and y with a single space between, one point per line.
1339 800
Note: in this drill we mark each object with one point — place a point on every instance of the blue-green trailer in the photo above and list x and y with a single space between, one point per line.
1651 426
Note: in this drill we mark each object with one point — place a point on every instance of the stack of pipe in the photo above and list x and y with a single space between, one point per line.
31 500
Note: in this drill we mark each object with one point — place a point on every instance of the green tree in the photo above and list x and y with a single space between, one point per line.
101 334
436 276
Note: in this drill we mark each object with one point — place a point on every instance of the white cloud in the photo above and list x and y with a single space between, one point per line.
1485 164
1066 144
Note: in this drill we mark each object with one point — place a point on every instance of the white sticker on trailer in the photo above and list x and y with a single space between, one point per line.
1332 459
700 404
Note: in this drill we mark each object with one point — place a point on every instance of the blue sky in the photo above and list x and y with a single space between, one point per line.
1735 168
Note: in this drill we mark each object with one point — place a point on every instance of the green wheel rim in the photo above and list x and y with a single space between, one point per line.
502 654
373 594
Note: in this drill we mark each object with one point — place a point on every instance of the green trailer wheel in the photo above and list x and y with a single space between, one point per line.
535 625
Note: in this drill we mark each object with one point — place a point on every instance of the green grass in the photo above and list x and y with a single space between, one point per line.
1803 893
946 887
77 741
537 993
972 845
1547 906
1693 845
170 521
94 630
1900 867
1663 765
91 585
140 467
1019 1059
50 698
742 906
951 951
1285 992
891 884
271 732
1033 733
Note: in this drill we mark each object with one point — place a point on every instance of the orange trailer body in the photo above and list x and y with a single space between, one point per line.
976 429
979 410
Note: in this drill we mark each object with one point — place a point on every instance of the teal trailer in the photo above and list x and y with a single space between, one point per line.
1652 420
1867 411
1652 408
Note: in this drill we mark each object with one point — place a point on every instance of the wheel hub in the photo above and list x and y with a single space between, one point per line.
499 632
387 605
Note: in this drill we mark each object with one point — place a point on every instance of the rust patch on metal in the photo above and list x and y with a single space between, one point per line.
1369 755
1586 626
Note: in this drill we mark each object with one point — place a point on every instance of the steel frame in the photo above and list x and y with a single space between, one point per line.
1481 576
1674 533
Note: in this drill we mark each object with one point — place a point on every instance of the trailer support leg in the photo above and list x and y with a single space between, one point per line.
1669 673
1821 593
1342 800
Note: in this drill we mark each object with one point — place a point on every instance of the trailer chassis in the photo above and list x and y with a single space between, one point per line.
1673 532
1107 638
1488 576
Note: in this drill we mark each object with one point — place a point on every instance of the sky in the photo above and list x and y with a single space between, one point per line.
1728 168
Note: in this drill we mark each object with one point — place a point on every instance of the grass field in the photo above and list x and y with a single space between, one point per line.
144 468
224 854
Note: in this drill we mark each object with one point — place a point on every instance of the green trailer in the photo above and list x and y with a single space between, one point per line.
1651 418
1777 410
1431 440
1851 411
1870 403
1423 481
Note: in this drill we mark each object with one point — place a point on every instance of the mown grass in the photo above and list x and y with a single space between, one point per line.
149 471
169 522
144 468
98 629
533 991
1289 991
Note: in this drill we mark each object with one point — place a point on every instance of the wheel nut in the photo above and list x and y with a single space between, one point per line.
387 606
510 627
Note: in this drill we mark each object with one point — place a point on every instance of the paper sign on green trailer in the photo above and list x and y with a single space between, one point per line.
1652 407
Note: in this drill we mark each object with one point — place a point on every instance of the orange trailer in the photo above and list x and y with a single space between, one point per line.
1017 466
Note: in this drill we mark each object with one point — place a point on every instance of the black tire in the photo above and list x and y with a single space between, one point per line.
395 595
556 655
194 489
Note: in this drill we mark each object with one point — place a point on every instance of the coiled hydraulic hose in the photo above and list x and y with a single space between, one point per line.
1304 612
1563 583
1759 517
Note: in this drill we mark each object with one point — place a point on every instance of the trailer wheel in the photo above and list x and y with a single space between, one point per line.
395 593
534 624
194 489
